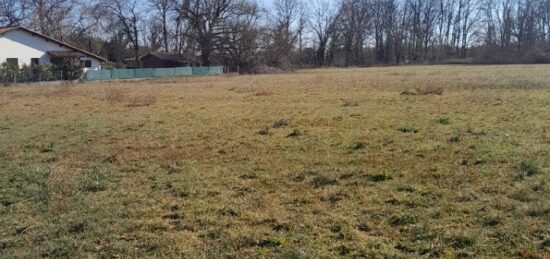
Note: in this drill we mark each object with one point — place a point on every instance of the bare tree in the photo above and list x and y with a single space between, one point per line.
162 8
207 17
354 22
12 12
289 19
125 14
240 40
154 34
49 16
323 24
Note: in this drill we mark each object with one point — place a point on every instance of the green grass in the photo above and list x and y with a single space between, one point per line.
319 163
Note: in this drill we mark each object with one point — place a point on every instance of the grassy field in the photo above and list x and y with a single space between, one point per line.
318 163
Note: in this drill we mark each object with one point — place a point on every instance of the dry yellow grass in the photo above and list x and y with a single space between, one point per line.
196 167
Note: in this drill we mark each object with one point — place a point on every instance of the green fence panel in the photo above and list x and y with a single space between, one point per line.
183 71
152 72
215 70
163 72
143 72
94 75
122 74
201 71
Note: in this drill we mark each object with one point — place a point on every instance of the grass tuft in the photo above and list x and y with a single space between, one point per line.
408 130
444 120
380 177
403 220
295 133
142 101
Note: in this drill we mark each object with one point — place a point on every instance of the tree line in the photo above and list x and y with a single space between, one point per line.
295 33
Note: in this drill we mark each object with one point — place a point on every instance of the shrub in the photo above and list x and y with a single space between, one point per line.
34 73
10 73
71 69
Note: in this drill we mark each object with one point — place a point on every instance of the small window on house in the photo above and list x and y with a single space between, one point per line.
12 61
87 63
34 61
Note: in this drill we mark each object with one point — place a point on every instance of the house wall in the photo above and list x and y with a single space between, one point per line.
24 46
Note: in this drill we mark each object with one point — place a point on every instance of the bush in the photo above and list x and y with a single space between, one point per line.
70 70
10 73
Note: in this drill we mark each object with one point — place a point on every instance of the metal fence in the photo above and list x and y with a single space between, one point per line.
151 72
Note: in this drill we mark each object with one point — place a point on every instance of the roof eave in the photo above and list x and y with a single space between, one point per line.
88 54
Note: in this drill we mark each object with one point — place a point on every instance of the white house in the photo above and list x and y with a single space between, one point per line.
19 45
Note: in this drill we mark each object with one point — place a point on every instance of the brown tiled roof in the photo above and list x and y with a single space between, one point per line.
7 29
4 30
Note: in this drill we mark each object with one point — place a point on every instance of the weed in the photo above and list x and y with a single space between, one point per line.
380 177
94 181
142 101
545 244
7 200
76 228
294 133
491 221
444 120
405 188
429 89
343 250
321 181
529 167
348 103
281 123
454 139
403 220
358 146
228 212
408 130
460 241
114 95
214 234
364 227
538 210
271 242
264 132
408 92
263 93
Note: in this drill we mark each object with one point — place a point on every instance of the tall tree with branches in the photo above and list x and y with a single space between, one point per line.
126 15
